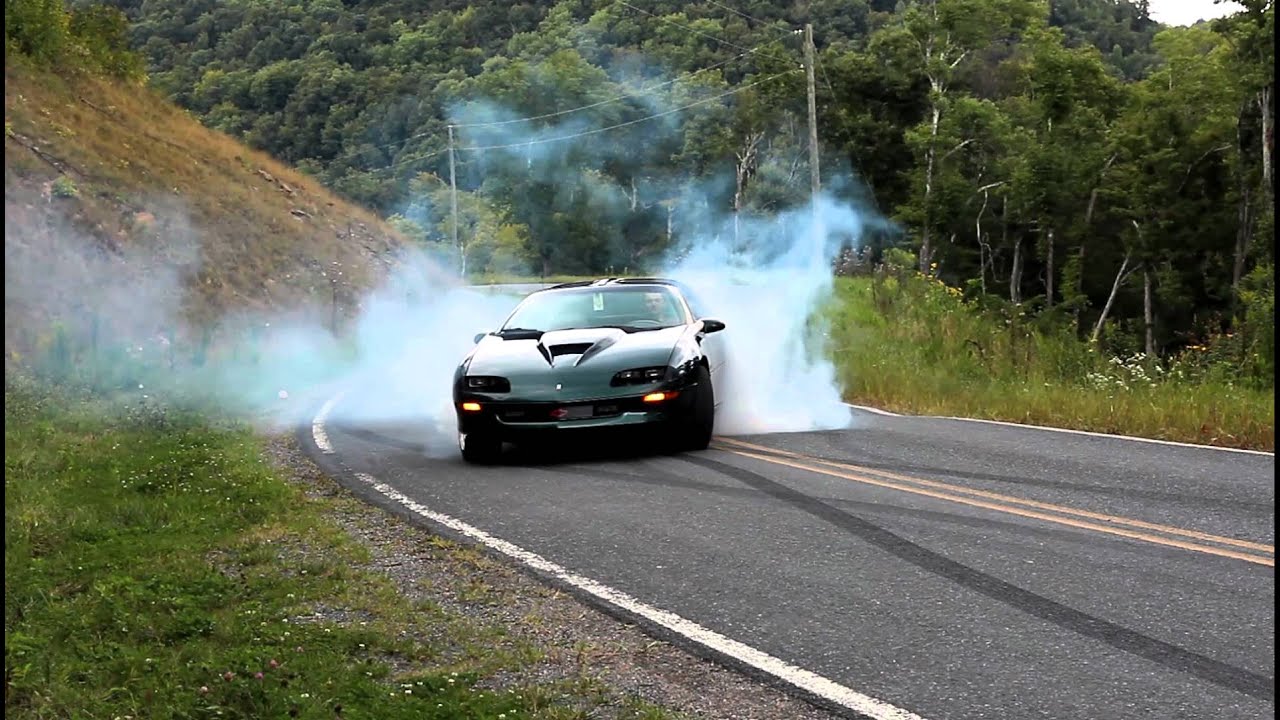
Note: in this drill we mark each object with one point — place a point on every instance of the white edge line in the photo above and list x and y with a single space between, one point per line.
805 680
877 411
1073 431
318 433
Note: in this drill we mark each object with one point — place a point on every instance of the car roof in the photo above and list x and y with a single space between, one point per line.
616 281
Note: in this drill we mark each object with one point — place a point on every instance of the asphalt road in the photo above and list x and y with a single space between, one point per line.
951 569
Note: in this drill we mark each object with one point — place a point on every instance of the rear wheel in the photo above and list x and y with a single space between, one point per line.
478 448
694 432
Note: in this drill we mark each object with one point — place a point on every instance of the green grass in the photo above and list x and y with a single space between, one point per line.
913 345
155 566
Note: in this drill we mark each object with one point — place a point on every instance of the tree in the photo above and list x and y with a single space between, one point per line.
945 34
1064 104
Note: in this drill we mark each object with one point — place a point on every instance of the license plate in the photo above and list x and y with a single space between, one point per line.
577 412
606 409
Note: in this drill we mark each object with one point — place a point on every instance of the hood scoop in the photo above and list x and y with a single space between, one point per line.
568 349
583 350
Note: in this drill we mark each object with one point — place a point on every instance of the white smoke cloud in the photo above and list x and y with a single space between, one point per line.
780 378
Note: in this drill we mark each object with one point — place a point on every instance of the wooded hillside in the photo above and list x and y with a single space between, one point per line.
1071 156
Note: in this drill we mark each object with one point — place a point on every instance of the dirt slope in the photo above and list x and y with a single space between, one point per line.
109 186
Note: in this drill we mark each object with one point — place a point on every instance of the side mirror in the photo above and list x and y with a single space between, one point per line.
711 325
479 337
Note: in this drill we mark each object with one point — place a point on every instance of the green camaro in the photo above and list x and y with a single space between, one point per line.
611 354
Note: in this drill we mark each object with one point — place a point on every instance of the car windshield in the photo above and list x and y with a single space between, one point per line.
629 308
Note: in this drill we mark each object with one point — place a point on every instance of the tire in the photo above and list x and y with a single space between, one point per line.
479 449
695 432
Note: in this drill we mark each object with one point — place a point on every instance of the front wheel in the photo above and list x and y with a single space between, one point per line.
478 448
695 431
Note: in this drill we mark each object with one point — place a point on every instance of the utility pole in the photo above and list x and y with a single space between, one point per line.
813 114
453 192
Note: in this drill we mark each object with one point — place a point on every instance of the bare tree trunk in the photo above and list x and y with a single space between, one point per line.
1048 272
926 244
1111 299
1015 274
1264 104
1093 196
1148 311
1244 231
1088 221
634 198
984 249
982 246
742 171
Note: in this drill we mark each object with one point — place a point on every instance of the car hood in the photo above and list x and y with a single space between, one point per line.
580 361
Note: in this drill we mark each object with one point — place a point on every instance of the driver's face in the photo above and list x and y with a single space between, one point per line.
653 302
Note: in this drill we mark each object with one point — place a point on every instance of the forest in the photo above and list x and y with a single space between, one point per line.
1073 159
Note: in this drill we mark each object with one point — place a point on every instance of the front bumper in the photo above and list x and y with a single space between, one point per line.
515 420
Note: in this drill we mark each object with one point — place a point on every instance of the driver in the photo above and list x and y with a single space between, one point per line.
659 308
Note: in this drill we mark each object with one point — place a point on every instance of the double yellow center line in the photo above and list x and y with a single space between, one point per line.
1156 533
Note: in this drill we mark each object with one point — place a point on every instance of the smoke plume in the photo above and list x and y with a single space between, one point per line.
765 272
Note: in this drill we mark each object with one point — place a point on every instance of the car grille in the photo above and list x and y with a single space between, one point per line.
546 412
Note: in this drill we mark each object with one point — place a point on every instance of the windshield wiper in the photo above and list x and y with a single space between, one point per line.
636 328
519 333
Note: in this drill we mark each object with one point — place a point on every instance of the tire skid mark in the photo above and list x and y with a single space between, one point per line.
1117 636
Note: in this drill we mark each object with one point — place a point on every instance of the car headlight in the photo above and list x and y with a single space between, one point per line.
639 376
488 383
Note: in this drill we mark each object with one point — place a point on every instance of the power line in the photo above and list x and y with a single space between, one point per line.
738 12
703 101
692 29
414 159
758 21
639 93
745 51
642 91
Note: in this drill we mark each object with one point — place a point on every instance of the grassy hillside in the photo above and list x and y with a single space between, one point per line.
912 344
108 185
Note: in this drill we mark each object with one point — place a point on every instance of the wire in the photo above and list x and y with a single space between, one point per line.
477 148
639 93
739 12
758 21
643 91
703 101
745 51
818 60
692 30
414 159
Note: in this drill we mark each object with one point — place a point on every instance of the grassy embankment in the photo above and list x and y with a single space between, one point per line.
156 566
916 346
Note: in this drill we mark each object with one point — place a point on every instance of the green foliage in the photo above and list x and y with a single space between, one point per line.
1258 329
64 187
94 38
1121 31
910 342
